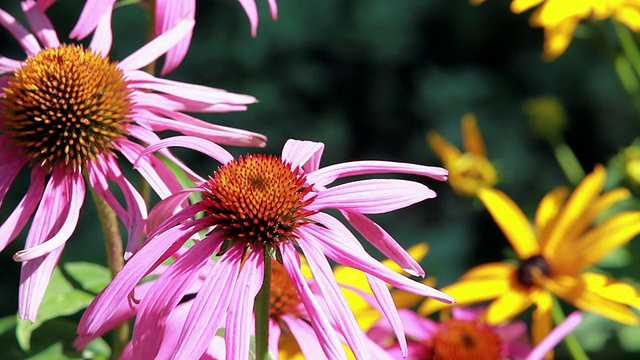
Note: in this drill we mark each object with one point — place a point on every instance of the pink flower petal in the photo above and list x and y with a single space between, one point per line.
163 215
11 162
44 4
92 12
303 154
331 173
164 296
373 196
325 333
156 47
34 279
157 102
149 256
71 190
24 37
382 241
206 147
555 336
388 308
340 312
240 315
8 65
274 337
14 224
273 7
251 10
305 337
40 24
103 36
168 13
211 303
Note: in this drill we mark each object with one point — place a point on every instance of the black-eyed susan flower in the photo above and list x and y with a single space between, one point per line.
554 257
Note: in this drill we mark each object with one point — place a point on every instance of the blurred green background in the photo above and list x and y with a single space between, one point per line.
369 78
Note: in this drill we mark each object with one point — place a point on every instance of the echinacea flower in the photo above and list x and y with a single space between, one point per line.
168 13
65 114
553 257
559 18
258 207
469 170
462 337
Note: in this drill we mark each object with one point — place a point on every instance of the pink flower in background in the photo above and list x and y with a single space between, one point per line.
168 13
66 112
257 204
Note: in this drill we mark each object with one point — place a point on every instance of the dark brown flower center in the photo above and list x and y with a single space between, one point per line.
64 106
466 340
532 269
258 199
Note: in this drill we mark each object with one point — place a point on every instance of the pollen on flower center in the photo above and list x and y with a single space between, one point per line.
462 340
258 199
531 269
65 105
284 297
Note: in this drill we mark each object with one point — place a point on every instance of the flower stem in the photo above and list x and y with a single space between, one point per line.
115 260
262 307
577 352
568 162
628 65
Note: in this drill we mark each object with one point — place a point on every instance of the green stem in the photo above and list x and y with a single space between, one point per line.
568 162
629 45
262 308
577 352
627 66
115 260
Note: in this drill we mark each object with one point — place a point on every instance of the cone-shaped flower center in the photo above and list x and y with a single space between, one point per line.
532 270
258 199
466 340
284 297
64 106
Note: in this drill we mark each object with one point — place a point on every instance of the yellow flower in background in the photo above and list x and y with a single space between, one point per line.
553 256
469 170
559 18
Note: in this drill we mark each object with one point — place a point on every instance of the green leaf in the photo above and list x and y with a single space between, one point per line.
60 299
628 337
7 323
92 277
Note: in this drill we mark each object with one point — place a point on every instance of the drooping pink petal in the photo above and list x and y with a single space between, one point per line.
34 279
14 224
156 47
10 165
303 154
273 7
149 256
92 12
251 10
326 335
374 196
44 4
331 173
164 296
205 94
211 303
240 315
208 148
340 311
382 241
26 40
305 337
168 13
418 327
274 336
40 24
168 102
175 324
8 65
103 36
163 215
100 184
70 188
388 308
555 336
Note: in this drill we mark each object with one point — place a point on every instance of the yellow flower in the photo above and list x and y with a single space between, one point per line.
559 18
468 171
553 257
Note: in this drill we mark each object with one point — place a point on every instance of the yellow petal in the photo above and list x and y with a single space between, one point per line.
507 306
549 208
518 6
608 235
630 16
557 38
541 323
443 148
471 137
585 293
512 221
470 291
575 207
612 290
556 12
490 271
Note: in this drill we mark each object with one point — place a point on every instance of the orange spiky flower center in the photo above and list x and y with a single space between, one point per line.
284 297
466 340
65 105
258 199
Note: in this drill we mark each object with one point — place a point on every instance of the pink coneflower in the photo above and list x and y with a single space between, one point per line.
168 13
257 205
65 112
